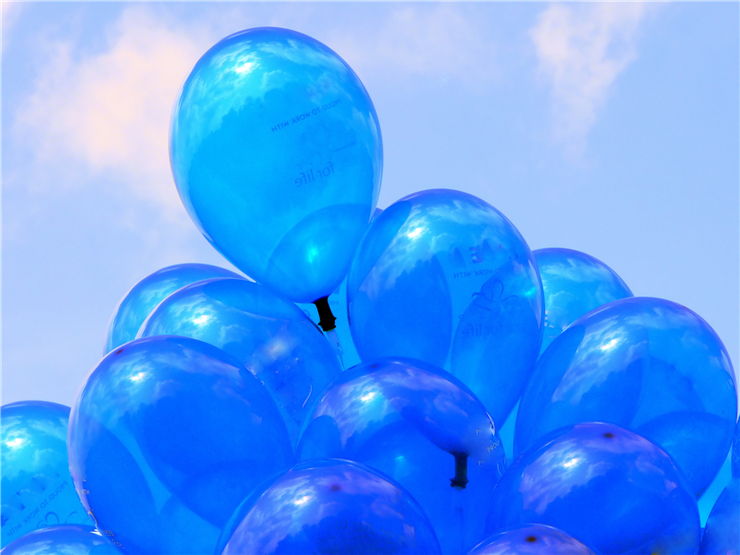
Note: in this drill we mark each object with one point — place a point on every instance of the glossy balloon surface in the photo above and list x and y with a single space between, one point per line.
277 155
612 489
62 540
442 276
649 365
37 489
722 533
535 539
333 507
168 436
573 283
421 427
270 336
138 303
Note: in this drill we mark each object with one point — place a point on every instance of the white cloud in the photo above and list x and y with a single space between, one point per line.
581 50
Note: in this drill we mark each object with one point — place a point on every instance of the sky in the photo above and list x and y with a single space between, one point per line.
607 128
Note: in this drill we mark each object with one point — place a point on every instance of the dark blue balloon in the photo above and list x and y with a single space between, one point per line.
147 294
269 335
277 155
423 428
649 365
612 489
167 437
442 276
722 533
37 489
535 539
574 283
62 540
332 507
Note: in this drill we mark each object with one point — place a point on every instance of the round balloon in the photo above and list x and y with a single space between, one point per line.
612 489
270 336
62 540
277 155
442 276
722 532
649 365
37 489
332 507
423 428
166 439
147 294
574 283
535 539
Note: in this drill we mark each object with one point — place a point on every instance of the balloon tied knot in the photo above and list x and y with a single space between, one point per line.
460 480
327 321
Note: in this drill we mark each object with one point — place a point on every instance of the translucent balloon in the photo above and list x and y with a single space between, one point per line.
272 337
722 533
277 154
168 436
147 294
535 539
421 427
332 507
612 489
62 540
649 365
574 283
37 489
442 276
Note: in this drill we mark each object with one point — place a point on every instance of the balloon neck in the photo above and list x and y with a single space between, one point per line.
327 321
460 480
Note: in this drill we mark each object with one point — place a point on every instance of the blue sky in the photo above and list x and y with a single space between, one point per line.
611 129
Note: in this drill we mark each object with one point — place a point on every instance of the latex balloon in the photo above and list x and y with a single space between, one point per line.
646 364
37 489
574 283
167 437
442 276
612 489
333 507
62 540
270 336
423 428
736 452
535 539
149 292
722 533
277 155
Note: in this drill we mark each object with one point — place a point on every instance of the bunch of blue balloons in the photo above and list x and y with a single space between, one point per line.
224 420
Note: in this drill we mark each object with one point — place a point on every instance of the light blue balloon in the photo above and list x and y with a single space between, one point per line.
722 533
423 428
37 489
332 507
574 283
649 365
269 335
62 540
535 539
149 292
442 276
277 154
612 489
167 438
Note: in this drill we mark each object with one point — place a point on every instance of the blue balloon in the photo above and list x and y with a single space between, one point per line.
574 283
421 427
612 489
277 154
149 292
722 533
167 438
736 452
649 365
270 336
62 540
37 489
535 539
332 507
442 276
